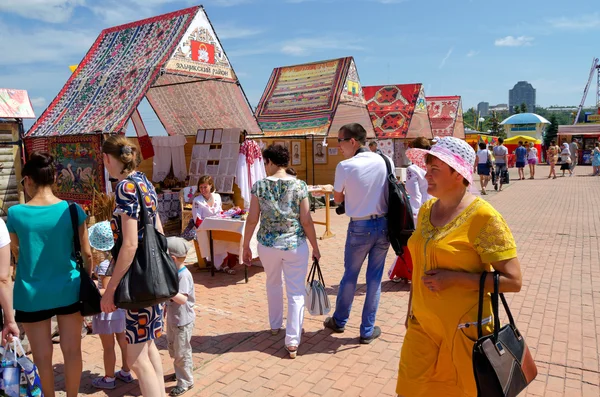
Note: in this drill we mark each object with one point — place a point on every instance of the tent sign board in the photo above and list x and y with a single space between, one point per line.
200 53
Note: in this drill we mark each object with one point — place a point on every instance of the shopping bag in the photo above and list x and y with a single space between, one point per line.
317 300
403 267
152 277
20 376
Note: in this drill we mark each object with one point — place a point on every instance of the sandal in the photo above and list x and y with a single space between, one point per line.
293 350
228 270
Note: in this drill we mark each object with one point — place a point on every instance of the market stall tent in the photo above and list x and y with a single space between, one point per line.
529 124
588 135
399 114
304 106
513 142
446 116
14 107
175 60
474 138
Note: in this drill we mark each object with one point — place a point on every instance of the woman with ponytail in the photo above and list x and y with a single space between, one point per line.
143 326
47 280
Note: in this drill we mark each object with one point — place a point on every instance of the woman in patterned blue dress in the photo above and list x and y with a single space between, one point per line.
142 327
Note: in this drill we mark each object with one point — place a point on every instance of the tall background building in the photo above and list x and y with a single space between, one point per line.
483 108
522 92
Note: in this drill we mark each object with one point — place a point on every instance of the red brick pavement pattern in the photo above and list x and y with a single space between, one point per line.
558 311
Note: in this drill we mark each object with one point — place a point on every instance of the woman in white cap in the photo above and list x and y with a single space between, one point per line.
458 236
108 326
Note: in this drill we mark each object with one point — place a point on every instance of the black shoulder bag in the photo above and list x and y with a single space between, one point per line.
401 223
152 277
502 363
89 296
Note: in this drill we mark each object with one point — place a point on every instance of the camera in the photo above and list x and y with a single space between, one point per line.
341 209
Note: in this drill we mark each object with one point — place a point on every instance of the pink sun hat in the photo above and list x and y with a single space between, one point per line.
458 154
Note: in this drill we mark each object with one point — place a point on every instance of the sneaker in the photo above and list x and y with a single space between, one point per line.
102 383
376 334
179 390
330 323
125 378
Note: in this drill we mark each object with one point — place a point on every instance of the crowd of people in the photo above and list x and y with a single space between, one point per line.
458 236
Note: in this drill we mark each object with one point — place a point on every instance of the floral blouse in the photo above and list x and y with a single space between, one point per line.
279 201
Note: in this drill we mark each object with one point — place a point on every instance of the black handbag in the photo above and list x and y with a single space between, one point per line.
502 363
152 277
89 296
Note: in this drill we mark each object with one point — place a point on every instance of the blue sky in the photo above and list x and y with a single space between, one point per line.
473 48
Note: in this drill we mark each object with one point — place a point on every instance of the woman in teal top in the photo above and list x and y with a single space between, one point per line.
47 279
281 203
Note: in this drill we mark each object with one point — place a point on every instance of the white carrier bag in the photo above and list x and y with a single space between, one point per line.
317 300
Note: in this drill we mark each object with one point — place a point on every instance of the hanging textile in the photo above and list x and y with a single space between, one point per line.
250 169
143 137
169 150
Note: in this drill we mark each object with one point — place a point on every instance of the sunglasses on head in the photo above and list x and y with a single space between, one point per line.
340 140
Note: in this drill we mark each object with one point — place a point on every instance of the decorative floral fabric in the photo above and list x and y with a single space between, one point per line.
127 201
279 201
251 150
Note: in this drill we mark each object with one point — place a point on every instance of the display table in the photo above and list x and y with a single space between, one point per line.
228 229
320 191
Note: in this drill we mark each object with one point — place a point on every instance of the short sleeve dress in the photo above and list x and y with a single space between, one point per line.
436 353
145 324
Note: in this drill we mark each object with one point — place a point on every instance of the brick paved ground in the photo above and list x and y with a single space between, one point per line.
558 310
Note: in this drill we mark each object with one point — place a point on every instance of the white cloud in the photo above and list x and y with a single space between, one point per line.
116 12
53 11
443 63
45 46
472 53
305 46
511 41
236 32
583 22
38 101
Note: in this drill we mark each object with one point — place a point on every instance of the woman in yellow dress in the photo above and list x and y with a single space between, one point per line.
458 236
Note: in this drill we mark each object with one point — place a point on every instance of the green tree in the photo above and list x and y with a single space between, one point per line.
523 107
551 131
470 118
517 110
495 128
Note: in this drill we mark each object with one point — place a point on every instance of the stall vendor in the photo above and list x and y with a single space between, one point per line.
207 203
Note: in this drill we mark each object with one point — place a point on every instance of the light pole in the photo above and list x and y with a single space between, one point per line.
481 120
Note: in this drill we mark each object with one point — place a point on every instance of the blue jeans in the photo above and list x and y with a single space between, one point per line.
367 237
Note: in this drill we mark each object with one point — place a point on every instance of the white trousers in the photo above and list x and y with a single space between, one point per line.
293 264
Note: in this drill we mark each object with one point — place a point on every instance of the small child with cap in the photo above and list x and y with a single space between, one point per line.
108 325
181 318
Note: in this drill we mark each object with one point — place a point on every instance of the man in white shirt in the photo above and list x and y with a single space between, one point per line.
361 184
